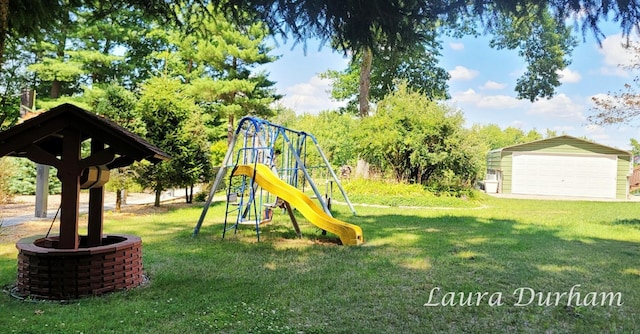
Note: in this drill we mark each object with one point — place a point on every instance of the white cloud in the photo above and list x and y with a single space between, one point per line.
597 134
615 55
517 124
499 102
560 106
456 46
569 76
492 85
470 96
310 97
462 73
565 129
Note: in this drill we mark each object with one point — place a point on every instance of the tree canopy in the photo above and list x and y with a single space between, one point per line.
358 24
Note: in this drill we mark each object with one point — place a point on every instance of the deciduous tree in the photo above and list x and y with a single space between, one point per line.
623 106
418 140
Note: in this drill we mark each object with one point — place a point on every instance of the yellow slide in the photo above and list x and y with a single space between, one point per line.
349 234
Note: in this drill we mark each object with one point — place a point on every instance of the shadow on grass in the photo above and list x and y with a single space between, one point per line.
634 223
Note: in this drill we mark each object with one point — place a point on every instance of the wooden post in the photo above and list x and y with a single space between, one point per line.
96 205
294 221
69 174
96 216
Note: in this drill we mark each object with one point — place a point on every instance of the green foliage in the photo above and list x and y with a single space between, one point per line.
217 152
416 66
539 30
13 78
201 196
384 188
418 140
23 180
391 193
334 134
493 137
172 122
543 42
6 172
344 84
54 69
635 148
216 58
80 101
118 105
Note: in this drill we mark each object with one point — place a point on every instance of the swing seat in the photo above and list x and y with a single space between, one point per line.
252 222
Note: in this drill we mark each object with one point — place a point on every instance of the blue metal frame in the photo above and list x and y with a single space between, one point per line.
259 138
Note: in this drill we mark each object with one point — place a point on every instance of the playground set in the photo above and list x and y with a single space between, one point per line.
269 166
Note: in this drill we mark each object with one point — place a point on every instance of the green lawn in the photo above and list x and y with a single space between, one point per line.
284 285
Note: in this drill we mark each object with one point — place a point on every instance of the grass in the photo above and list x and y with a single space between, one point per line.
288 285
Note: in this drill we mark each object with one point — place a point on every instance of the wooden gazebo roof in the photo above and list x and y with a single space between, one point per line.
43 132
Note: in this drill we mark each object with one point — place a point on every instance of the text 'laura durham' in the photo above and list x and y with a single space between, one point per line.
525 296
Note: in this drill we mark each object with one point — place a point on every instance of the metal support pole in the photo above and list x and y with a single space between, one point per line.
216 183
333 174
308 177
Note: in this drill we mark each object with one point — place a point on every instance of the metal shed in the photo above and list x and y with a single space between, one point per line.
560 166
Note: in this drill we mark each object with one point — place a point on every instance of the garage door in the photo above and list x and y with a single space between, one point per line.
564 175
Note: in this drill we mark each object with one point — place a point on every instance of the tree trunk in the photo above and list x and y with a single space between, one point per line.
365 82
156 203
188 194
4 27
230 129
56 88
118 200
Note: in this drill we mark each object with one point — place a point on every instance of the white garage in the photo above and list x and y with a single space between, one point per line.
561 166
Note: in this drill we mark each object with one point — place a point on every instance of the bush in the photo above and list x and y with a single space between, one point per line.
201 196
393 193
384 188
6 170
450 184
23 180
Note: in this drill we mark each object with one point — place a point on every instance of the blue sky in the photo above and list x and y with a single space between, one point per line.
482 85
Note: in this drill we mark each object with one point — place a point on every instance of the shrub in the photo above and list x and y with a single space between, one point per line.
399 193
6 170
23 180
419 140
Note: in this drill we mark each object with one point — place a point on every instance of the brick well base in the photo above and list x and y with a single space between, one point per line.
46 272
